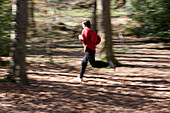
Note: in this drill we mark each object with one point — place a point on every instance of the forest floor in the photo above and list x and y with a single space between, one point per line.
141 87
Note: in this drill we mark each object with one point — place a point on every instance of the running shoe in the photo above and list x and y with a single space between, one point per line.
111 64
77 79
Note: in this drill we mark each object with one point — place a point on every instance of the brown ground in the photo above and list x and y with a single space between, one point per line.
143 87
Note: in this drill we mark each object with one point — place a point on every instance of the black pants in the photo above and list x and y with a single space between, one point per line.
90 56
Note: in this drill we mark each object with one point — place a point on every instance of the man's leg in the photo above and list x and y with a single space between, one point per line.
84 64
96 64
100 64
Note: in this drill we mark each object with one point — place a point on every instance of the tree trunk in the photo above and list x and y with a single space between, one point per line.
18 63
31 11
31 21
104 26
94 17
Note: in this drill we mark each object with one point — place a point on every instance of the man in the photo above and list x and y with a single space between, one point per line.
90 39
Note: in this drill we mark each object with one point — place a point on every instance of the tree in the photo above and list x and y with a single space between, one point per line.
104 26
31 21
18 36
5 27
94 17
152 16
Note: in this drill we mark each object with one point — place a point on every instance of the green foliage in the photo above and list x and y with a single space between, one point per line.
153 16
5 26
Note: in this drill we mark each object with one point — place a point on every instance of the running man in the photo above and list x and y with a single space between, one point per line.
90 39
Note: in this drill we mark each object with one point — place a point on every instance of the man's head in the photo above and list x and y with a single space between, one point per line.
86 23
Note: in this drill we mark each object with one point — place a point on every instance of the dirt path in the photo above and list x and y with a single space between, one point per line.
143 87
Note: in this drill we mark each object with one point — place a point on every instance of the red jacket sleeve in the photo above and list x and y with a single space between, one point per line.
98 40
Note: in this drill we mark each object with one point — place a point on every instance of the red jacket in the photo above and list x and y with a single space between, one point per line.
90 38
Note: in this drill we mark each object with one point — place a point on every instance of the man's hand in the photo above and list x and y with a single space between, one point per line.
80 37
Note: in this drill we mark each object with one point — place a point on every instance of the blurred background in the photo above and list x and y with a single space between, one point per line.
55 24
39 47
51 23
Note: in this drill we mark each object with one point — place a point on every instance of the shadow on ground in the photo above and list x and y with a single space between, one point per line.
65 97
